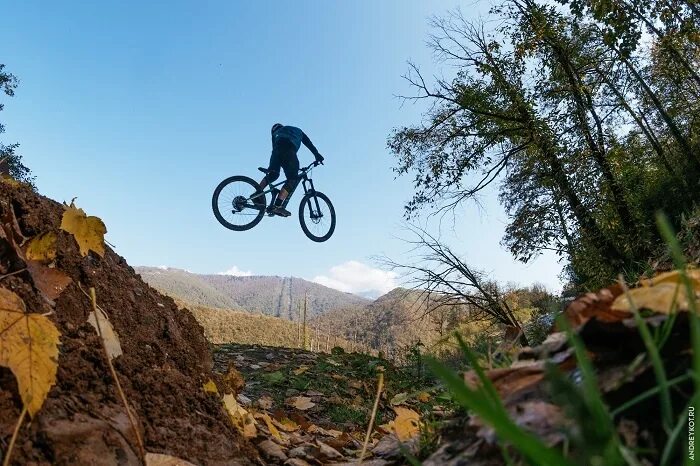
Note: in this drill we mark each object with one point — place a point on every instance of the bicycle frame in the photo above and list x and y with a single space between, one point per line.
303 179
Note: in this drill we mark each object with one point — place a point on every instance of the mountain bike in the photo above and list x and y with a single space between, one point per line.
239 204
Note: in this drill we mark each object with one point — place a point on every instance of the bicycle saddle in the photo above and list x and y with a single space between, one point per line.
264 170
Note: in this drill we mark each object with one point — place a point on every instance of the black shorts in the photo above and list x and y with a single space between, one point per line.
284 156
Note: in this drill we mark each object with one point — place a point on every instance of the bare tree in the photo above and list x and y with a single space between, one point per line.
446 280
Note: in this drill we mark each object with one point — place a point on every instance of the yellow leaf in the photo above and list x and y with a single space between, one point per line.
210 387
286 424
241 418
42 247
109 335
664 297
300 370
423 397
157 459
273 430
29 347
301 403
89 232
406 424
674 276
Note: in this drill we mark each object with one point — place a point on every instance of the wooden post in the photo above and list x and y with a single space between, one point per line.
305 336
299 324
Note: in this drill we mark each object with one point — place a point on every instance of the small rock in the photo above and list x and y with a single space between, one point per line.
304 451
254 366
160 304
328 452
270 356
296 462
271 450
244 400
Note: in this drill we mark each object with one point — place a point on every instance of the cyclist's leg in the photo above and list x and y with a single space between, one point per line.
273 169
291 171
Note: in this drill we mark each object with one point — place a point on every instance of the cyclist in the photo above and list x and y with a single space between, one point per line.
286 141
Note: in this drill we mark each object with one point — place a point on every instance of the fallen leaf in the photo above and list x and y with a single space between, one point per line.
300 370
423 397
301 403
29 348
109 335
665 297
265 402
48 280
406 424
398 399
42 247
234 379
210 387
286 424
595 305
272 451
270 426
241 418
89 231
157 459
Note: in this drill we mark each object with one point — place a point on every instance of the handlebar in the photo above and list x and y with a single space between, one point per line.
313 164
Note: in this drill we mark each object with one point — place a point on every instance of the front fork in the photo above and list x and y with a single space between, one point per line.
317 213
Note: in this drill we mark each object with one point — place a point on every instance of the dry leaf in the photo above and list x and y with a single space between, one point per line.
265 402
665 298
157 459
301 403
89 232
109 335
406 424
423 397
398 399
241 418
286 424
29 347
210 387
234 379
273 430
300 370
49 281
42 247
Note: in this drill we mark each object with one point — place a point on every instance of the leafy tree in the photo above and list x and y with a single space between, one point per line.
585 130
10 161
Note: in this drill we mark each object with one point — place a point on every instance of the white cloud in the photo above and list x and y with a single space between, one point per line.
356 277
236 272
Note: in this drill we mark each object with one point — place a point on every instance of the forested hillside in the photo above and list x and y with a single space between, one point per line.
273 296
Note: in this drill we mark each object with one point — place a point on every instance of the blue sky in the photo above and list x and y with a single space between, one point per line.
139 109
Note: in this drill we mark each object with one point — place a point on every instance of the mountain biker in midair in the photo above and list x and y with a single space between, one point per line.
286 141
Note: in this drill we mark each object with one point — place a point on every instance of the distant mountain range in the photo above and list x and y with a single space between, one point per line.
269 295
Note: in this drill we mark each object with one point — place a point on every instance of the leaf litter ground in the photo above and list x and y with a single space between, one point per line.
313 408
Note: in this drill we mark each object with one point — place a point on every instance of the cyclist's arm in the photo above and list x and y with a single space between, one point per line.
310 145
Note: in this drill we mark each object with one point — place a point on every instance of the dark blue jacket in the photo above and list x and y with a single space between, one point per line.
295 136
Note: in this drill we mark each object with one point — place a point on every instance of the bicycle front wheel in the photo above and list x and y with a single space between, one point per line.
234 205
317 216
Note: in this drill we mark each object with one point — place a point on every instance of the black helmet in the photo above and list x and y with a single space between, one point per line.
275 127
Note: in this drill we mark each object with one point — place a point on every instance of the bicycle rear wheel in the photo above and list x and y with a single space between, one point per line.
317 216
233 206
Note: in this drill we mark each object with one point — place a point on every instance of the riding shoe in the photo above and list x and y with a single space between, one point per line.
281 211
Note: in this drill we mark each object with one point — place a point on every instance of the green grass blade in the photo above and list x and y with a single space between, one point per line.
656 362
474 364
646 395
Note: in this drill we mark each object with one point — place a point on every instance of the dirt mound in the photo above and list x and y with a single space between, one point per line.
165 361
